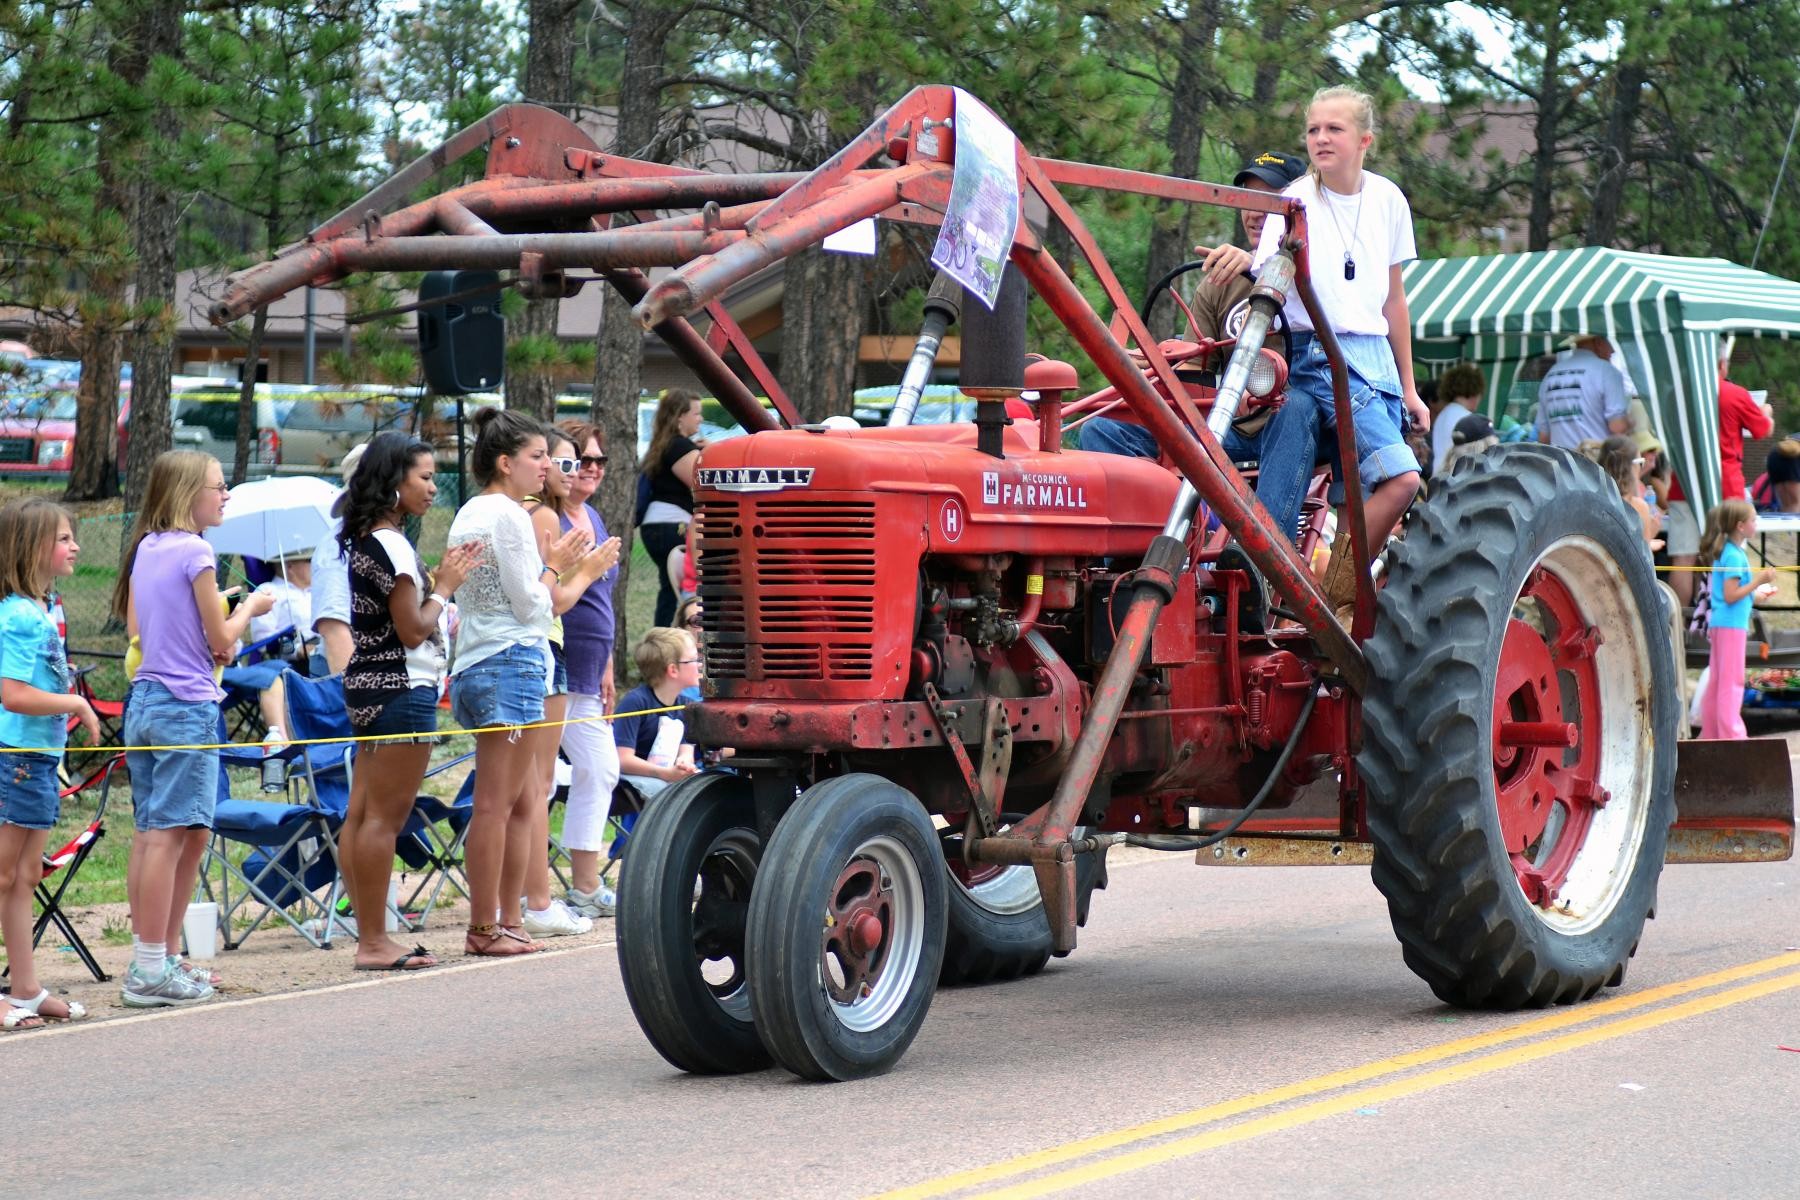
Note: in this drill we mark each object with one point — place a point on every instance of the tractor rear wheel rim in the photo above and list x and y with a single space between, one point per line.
873 934
1571 769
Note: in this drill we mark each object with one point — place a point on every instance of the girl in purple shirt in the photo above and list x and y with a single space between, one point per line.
169 598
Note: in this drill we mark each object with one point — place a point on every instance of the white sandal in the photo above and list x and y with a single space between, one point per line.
32 1007
19 1018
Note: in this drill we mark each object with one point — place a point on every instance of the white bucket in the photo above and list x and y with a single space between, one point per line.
200 929
393 905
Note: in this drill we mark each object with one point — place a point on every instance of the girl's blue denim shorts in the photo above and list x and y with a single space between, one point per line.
28 790
411 711
504 689
171 789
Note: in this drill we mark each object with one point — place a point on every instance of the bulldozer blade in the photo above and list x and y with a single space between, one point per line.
1734 802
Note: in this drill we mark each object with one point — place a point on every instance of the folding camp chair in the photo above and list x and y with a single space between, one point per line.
293 842
244 680
61 866
432 843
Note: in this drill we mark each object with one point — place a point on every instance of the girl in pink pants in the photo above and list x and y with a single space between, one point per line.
1734 586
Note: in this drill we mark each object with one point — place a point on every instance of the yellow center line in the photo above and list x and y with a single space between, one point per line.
1177 1122
1212 1139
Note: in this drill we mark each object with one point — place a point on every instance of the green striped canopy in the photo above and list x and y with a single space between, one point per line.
1665 316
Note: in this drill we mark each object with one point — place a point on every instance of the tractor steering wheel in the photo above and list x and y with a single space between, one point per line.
1166 283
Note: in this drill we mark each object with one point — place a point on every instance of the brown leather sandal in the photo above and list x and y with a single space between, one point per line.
495 941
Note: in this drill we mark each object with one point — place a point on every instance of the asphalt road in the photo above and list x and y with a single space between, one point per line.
1241 1032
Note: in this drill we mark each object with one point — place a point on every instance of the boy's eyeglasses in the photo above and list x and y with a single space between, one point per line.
221 488
567 466
688 662
593 460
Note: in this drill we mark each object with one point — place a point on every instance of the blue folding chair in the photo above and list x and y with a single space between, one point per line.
292 856
432 843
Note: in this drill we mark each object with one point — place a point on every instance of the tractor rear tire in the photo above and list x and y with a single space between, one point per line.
1519 733
997 930
684 902
847 929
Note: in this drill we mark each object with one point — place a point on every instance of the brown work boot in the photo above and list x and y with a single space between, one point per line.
1339 584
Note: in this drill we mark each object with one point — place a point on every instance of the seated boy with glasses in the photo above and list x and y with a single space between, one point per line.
653 749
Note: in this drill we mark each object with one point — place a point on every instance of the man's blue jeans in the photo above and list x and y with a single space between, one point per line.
1284 450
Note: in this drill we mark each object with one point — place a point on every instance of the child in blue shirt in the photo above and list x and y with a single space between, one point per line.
37 547
1734 586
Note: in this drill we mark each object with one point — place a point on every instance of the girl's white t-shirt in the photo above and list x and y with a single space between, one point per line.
1379 237
425 661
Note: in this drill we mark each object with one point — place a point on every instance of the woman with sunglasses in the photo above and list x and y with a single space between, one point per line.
588 636
546 916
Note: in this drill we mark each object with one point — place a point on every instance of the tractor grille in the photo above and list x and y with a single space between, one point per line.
15 450
789 588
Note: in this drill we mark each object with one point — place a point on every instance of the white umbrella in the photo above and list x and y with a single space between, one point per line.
276 518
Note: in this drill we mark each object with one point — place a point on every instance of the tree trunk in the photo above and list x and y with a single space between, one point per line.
531 387
549 79
94 471
618 360
824 299
1170 238
246 414
1543 157
1616 155
154 234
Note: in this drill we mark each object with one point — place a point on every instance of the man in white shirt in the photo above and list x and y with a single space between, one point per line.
1583 399
331 589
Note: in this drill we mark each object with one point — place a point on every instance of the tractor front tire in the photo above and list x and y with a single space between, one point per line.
847 929
997 929
684 904
1519 733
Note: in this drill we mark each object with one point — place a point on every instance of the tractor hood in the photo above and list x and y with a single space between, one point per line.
1072 503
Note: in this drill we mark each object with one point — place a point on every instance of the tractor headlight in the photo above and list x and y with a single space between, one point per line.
1262 377
1268 374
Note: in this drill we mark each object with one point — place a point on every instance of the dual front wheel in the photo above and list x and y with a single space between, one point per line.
828 964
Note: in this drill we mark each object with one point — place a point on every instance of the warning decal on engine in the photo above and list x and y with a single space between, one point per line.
1033 489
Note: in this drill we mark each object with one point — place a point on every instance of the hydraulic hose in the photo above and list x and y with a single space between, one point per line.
1176 842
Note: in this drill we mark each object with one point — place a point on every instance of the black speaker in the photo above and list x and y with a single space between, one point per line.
462 342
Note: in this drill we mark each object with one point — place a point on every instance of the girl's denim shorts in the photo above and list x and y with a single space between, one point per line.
171 789
504 689
411 711
28 790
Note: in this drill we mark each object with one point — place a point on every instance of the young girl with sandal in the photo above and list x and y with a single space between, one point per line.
546 915
394 676
500 667
37 547
169 598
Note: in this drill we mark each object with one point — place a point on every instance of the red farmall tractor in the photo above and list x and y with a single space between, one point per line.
960 662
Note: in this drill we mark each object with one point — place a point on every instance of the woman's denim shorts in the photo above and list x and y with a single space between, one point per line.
28 790
559 670
411 711
171 789
504 689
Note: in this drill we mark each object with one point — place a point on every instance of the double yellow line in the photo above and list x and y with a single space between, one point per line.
1018 1177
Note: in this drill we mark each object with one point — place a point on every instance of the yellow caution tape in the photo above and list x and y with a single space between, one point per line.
335 741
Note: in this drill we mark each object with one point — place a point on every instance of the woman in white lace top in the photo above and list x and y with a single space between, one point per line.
500 663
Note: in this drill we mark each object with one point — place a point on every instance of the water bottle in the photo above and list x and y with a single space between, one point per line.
274 767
